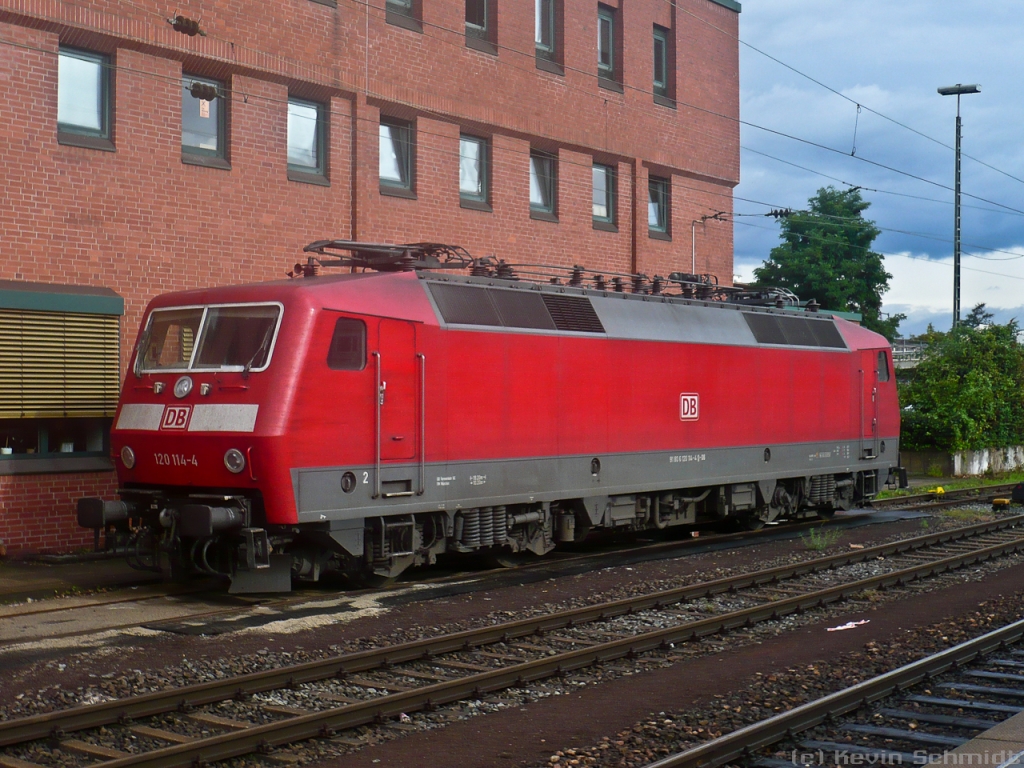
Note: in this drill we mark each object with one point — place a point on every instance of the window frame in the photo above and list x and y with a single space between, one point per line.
404 14
606 222
664 93
607 74
310 173
137 363
483 38
198 155
660 88
664 186
550 211
80 136
476 201
545 50
390 186
363 343
882 366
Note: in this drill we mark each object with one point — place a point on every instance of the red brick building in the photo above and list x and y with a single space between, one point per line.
139 159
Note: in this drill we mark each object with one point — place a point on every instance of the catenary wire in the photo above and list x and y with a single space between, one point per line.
838 93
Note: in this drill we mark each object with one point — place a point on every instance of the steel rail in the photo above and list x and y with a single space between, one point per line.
160 702
958 494
743 741
325 723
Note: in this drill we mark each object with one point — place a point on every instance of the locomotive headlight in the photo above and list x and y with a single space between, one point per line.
128 457
183 386
234 460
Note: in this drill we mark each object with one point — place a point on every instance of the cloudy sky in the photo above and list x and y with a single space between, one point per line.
890 57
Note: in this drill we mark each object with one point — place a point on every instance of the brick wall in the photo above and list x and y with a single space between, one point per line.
142 222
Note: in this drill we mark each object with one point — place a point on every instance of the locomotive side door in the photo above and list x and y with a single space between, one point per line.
397 390
868 404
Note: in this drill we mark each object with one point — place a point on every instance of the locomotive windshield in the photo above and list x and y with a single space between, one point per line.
224 337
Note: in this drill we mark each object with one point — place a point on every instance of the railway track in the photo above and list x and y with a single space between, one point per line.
225 718
945 500
215 611
909 716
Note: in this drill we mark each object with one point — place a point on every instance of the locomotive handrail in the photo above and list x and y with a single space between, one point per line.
377 396
423 423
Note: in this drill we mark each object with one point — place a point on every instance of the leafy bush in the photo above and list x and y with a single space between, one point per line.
966 392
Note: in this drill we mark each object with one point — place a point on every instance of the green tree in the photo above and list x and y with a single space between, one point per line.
965 393
826 255
978 317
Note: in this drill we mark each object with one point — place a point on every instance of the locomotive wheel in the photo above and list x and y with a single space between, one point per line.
374 581
510 559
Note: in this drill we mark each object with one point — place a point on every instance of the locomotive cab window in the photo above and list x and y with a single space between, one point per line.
170 339
348 345
883 366
237 337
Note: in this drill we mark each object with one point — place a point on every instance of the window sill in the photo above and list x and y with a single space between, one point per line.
484 46
475 205
207 162
543 216
656 235
390 191
306 177
329 3
665 101
605 226
403 21
547 65
51 465
89 142
609 85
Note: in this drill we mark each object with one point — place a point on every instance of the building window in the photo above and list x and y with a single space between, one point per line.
660 61
544 25
307 138
480 26
60 376
543 184
396 161
473 171
659 196
604 195
83 98
606 53
404 13
203 119
476 17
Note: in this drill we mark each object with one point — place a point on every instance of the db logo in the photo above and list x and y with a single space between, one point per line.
689 407
176 417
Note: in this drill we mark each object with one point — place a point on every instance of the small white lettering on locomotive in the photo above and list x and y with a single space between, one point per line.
446 480
478 479
820 455
682 458
176 417
175 460
689 406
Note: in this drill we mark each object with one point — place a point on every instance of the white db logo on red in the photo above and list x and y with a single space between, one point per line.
176 417
689 407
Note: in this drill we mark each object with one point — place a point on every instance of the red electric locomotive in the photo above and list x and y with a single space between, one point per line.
367 422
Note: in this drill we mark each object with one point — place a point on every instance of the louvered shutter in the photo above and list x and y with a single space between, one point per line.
58 364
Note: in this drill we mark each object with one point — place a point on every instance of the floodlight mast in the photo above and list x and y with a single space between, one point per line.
957 90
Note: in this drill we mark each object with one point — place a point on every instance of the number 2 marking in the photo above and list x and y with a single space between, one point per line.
366 478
